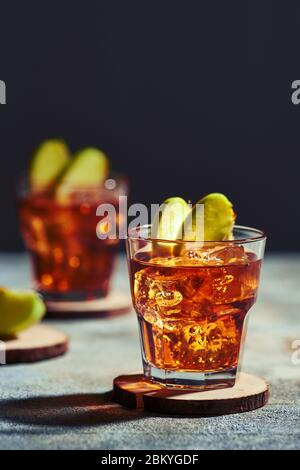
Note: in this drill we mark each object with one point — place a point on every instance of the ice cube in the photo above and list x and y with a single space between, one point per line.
223 342
195 336
165 298
221 255
226 285
192 285
174 293
249 279
158 291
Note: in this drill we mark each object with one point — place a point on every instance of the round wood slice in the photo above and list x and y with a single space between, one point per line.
35 344
116 303
133 391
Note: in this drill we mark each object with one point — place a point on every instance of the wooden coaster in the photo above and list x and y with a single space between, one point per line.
133 391
35 344
116 303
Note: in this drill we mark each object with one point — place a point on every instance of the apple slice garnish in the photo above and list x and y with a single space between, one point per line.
19 309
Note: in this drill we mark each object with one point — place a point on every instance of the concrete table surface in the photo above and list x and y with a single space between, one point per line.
63 403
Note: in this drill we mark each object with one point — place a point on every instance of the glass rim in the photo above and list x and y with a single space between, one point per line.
258 235
23 184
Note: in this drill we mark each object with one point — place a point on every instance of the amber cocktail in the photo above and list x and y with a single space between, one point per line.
192 300
69 261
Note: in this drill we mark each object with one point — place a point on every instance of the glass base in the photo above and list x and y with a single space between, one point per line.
73 296
191 380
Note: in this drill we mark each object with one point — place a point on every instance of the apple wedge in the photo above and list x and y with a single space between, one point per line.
219 219
48 162
88 169
19 310
169 219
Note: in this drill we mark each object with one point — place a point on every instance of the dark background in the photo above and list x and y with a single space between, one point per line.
186 97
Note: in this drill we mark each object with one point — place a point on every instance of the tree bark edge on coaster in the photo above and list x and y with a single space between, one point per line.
133 391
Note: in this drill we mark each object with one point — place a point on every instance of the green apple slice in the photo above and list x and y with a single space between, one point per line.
169 219
19 310
219 219
48 162
88 169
